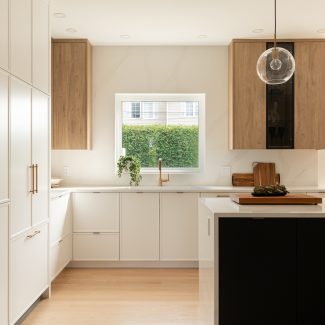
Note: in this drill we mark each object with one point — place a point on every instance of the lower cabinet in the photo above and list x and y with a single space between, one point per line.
179 226
28 270
4 237
139 237
96 247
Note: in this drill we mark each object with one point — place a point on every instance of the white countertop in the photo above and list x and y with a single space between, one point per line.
195 188
226 207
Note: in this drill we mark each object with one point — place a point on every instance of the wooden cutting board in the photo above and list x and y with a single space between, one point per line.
288 199
264 174
247 179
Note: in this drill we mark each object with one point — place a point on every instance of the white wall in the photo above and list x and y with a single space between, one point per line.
171 70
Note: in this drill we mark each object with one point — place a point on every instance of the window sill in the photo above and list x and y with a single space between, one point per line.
155 171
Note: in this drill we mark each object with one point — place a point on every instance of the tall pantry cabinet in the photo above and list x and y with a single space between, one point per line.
24 142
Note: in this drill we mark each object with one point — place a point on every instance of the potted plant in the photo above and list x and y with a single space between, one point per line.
131 165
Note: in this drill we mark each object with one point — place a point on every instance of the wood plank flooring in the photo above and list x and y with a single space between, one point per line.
120 297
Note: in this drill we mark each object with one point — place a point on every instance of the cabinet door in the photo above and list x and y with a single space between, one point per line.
179 226
20 156
139 237
4 34
247 95
95 212
4 121
257 271
311 270
41 44
21 39
40 155
28 270
4 238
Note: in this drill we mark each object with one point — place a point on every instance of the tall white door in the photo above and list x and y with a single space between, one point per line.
21 39
4 228
4 34
40 156
20 155
4 120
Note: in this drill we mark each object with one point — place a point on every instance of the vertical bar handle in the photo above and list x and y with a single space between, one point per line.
36 173
33 179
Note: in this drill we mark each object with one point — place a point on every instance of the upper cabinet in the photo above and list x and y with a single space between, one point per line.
287 116
71 94
4 34
247 97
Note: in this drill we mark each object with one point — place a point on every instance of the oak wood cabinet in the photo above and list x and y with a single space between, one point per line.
71 94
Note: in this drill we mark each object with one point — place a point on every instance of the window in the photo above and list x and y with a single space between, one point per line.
166 126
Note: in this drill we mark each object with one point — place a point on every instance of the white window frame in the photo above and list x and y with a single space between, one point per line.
200 98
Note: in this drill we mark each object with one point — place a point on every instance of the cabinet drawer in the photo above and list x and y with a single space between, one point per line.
60 218
61 255
94 212
96 247
28 270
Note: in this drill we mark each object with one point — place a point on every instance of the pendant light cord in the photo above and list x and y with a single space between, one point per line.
274 23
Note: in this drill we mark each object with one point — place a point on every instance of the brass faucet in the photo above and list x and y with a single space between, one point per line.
161 180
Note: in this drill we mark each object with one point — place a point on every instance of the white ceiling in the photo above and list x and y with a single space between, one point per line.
180 22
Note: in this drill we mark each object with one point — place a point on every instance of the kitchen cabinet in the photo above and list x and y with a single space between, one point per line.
71 94
21 39
247 96
96 212
4 260
4 136
178 226
41 45
28 269
139 237
4 34
29 156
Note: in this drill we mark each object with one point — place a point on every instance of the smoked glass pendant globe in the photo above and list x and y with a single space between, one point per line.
275 66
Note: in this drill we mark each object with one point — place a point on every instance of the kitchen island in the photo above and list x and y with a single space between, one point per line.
261 264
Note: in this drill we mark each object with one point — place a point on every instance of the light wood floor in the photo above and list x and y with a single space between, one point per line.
120 297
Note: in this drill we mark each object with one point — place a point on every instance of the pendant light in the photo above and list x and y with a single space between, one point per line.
276 65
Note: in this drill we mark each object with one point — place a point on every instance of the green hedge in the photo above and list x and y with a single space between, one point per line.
176 145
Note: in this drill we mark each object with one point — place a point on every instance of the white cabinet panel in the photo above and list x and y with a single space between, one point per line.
179 226
139 227
96 247
28 270
40 155
93 212
4 34
61 255
41 45
20 133
60 218
4 229
4 123
21 39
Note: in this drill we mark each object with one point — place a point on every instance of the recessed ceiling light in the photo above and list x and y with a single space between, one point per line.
258 30
202 36
125 36
321 31
59 15
71 30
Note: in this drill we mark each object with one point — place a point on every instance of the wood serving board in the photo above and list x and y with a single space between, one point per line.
247 179
264 174
300 199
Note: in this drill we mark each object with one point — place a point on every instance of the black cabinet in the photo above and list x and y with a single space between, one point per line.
271 271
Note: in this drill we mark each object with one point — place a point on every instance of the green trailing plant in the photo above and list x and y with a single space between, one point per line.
131 165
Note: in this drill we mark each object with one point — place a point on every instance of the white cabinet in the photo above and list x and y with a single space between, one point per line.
96 212
21 39
139 237
4 136
4 237
96 247
179 226
4 34
28 270
41 45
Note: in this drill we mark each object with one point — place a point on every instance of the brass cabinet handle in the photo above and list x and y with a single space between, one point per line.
36 232
33 179
36 168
